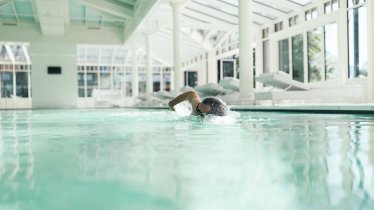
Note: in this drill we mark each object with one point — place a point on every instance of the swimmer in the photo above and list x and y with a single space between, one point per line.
210 105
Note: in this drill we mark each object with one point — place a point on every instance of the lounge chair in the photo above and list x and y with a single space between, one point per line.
292 90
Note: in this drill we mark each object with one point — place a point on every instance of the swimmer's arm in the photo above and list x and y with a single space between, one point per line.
190 96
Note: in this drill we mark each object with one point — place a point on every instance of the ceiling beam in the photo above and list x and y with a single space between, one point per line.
193 22
202 16
213 12
110 8
50 16
263 19
10 53
286 3
269 10
129 2
15 11
26 53
4 2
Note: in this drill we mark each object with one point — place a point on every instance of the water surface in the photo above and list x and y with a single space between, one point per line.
155 159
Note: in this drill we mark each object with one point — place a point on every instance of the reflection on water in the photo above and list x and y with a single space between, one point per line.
141 159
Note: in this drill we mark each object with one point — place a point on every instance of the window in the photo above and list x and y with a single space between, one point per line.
265 33
105 77
278 26
6 79
92 82
166 77
293 20
81 82
331 51
331 6
266 56
355 2
311 14
297 58
118 78
284 64
128 82
190 78
315 58
357 41
142 81
156 79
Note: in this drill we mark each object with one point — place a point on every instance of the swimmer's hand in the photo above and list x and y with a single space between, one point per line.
171 106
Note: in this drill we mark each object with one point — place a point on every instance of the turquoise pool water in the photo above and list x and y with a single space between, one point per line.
128 159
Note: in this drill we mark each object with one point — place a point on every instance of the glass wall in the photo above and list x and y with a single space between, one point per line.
315 57
166 78
6 79
156 79
22 83
92 79
105 77
118 77
284 63
266 56
190 78
15 71
357 33
142 81
298 58
128 81
331 51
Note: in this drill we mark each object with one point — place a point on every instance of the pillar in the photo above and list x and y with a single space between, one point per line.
149 79
135 74
370 28
245 50
177 47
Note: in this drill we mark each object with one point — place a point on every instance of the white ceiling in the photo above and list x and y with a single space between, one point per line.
204 22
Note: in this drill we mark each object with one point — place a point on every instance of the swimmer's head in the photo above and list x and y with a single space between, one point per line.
216 105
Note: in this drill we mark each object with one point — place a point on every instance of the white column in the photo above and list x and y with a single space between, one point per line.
245 50
259 57
343 43
212 76
370 17
149 79
177 47
135 74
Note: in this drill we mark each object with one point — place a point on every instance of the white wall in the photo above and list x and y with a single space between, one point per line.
53 90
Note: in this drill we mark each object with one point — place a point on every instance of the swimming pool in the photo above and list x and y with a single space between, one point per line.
155 159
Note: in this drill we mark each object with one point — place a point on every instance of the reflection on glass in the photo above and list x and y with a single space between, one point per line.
22 84
358 52
297 58
156 82
128 80
190 78
92 83
315 58
142 83
284 64
118 79
105 77
266 58
331 51
166 80
6 87
81 84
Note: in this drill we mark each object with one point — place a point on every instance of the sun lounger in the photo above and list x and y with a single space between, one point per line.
292 90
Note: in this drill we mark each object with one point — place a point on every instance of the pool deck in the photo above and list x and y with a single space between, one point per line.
304 108
310 108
